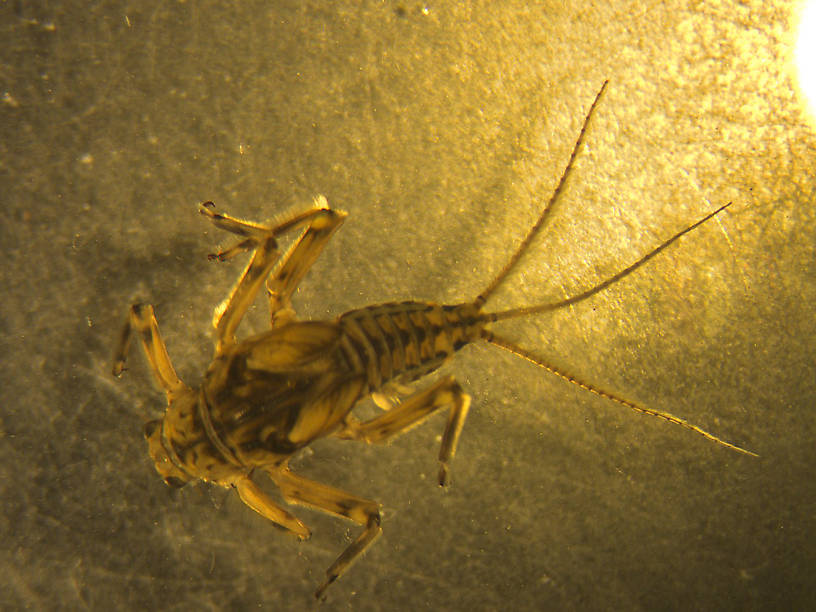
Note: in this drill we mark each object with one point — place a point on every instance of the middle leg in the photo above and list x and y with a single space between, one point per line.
262 240
299 490
296 263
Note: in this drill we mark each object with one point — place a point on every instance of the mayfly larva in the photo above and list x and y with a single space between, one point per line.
266 397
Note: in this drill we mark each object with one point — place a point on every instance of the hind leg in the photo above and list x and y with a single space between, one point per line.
411 412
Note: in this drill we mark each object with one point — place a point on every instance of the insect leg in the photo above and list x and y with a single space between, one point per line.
322 223
142 319
228 314
411 412
296 263
261 503
299 490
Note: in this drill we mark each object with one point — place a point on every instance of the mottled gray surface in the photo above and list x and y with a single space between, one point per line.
440 130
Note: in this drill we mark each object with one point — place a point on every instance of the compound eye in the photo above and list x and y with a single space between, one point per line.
172 481
150 428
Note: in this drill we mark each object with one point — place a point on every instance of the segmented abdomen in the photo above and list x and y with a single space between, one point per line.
406 340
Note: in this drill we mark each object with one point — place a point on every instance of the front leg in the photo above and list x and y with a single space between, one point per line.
261 503
142 319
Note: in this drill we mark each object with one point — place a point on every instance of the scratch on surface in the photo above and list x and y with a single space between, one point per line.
424 578
105 379
138 576
720 224
20 586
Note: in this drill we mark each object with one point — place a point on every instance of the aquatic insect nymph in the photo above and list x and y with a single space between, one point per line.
267 396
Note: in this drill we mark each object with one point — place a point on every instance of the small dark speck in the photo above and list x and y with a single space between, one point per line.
400 11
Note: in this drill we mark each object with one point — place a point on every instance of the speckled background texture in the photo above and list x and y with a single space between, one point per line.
441 130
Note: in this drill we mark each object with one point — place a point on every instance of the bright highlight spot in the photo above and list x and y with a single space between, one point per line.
806 56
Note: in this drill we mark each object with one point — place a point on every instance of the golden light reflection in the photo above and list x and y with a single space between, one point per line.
806 56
